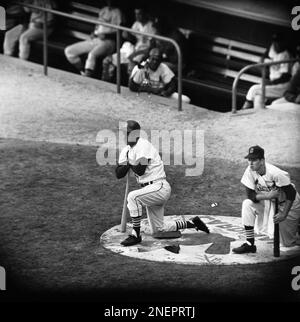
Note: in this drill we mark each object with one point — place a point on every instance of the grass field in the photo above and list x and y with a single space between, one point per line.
56 201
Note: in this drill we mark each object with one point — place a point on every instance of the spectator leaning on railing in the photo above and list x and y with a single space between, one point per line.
25 32
155 77
279 74
102 41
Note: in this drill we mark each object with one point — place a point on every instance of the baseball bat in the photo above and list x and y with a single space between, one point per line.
124 210
276 247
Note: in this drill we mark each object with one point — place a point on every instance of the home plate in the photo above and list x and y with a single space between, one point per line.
198 248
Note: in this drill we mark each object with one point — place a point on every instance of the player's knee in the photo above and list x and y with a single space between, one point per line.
246 206
130 197
247 203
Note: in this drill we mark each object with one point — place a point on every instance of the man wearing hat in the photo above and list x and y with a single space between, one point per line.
264 183
144 160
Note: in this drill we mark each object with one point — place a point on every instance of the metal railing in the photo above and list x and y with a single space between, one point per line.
263 82
118 43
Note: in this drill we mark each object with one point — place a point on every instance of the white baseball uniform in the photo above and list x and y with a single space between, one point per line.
155 190
260 214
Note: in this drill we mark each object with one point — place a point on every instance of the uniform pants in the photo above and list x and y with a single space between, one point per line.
154 198
94 47
287 229
29 35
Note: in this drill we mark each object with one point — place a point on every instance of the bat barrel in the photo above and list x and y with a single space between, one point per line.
276 245
124 210
276 249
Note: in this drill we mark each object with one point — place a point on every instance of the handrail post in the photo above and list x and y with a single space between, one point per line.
233 107
45 45
179 79
118 62
263 84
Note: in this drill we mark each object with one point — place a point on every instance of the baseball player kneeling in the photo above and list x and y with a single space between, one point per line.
144 160
265 182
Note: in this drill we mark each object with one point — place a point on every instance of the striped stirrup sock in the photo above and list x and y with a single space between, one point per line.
182 224
136 224
249 232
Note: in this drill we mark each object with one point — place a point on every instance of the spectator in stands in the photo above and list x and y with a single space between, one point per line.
132 46
26 33
155 77
292 94
101 43
279 75
16 23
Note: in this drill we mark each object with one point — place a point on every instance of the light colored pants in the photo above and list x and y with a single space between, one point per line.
272 91
153 197
11 39
287 229
93 47
29 35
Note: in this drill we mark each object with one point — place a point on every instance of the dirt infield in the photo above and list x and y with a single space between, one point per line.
56 200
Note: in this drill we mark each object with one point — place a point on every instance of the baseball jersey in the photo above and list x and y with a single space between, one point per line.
274 177
158 78
143 41
37 16
144 149
277 70
109 15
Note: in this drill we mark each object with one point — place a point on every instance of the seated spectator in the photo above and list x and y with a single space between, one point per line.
16 23
102 41
134 43
279 75
292 94
155 77
26 33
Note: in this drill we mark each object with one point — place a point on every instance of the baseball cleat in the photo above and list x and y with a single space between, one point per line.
200 225
244 249
131 240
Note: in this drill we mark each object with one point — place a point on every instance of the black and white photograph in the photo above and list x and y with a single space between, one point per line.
149 154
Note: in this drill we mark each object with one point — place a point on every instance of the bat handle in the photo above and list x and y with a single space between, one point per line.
276 240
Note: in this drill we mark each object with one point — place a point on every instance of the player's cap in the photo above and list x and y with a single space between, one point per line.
255 152
132 126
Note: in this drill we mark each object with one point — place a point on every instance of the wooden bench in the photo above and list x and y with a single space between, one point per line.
215 61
